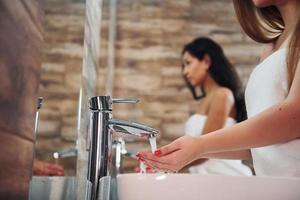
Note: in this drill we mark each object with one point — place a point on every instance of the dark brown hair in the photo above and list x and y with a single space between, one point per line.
221 70
264 25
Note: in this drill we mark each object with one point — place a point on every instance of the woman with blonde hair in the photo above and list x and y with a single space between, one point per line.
271 135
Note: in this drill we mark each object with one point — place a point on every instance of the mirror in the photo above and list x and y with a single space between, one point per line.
60 82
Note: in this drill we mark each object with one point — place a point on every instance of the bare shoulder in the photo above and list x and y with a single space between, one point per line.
224 94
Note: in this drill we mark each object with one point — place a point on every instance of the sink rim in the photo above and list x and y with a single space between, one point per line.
159 176
137 186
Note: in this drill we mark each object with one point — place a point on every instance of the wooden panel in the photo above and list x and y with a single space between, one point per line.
16 164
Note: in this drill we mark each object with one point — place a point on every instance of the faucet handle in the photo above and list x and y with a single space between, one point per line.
125 100
104 103
39 102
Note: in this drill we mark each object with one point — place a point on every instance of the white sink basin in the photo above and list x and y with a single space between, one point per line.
195 187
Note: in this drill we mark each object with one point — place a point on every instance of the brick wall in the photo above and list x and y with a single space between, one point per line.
61 78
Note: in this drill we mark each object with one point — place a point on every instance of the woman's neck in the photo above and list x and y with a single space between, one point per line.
290 14
210 84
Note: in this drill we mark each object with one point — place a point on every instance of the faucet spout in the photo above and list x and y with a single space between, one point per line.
132 128
65 153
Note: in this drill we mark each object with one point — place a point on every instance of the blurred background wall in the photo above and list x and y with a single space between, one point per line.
150 35
60 79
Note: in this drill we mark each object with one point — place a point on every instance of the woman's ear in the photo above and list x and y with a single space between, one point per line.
207 60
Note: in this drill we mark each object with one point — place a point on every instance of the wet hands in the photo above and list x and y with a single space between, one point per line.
41 168
174 156
148 170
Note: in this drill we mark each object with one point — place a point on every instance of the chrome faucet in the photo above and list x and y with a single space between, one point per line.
119 151
118 148
39 105
99 143
65 153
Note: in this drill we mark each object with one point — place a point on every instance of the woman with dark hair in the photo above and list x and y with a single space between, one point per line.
217 67
212 78
271 134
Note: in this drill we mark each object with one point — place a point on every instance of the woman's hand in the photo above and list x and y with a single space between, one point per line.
148 169
173 156
41 168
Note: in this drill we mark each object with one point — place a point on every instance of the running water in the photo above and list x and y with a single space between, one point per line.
142 167
153 145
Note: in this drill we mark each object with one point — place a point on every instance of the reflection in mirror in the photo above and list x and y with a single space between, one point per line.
59 87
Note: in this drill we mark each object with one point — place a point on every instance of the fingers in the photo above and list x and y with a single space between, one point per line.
42 168
164 163
53 170
173 156
160 153
161 166
58 170
167 149
55 167
162 158
146 156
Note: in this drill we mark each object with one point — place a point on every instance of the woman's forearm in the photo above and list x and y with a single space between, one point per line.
232 155
278 124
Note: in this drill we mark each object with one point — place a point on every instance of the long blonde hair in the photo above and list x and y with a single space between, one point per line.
264 25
